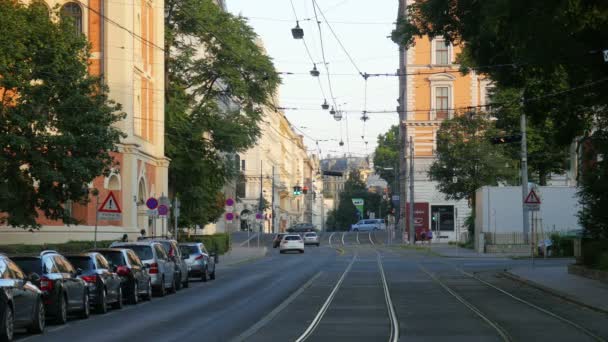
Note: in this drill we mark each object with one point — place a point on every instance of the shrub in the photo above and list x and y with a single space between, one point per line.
562 246
219 243
68 247
595 253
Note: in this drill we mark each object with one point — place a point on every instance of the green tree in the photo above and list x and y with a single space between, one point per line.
219 82
386 156
466 160
56 121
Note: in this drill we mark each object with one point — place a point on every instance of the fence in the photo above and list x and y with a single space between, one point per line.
517 238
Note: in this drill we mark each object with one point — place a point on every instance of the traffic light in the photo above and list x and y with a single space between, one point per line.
297 190
507 139
305 190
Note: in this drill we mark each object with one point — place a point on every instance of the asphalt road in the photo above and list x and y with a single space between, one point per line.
356 289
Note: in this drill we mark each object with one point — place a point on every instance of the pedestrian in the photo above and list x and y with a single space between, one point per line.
125 238
429 236
142 234
423 237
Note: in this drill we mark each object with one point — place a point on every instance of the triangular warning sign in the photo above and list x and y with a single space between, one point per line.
110 205
532 198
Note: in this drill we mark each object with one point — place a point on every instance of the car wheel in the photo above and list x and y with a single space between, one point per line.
61 315
134 297
148 295
85 312
356 230
102 302
173 287
281 252
178 282
302 251
162 291
212 276
118 303
205 275
37 326
186 283
7 324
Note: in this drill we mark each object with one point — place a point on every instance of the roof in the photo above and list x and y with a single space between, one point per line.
108 249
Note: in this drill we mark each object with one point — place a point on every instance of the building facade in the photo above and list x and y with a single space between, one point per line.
126 40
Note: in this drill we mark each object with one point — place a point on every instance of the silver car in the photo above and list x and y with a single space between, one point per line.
200 262
160 267
311 238
172 249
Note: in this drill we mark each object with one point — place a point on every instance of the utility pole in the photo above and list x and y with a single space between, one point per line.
524 172
261 203
96 194
411 216
272 205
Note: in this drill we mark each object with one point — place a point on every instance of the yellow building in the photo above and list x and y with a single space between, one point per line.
433 90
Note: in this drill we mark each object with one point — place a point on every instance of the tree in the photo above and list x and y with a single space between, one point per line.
466 160
219 81
56 121
386 156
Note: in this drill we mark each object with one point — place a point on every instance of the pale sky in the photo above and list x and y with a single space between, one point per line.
363 27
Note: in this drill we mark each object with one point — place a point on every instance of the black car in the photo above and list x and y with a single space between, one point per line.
104 285
301 228
63 291
134 275
20 301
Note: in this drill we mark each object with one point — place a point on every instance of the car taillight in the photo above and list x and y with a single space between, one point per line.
90 279
199 257
171 252
123 271
153 268
46 284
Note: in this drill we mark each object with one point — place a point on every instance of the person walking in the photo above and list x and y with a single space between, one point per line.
429 236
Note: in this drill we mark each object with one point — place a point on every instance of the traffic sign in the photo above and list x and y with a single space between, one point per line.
152 212
229 217
229 202
163 210
164 200
532 201
110 210
258 217
152 203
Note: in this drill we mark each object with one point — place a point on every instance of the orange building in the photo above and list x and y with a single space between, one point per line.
127 39
431 90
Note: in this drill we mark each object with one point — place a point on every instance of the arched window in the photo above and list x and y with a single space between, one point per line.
73 11
42 6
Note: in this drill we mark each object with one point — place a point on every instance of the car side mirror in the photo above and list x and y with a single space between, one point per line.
33 277
146 266
79 271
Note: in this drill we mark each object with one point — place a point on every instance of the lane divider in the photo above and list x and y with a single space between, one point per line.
358 243
315 322
330 236
370 237
343 244
394 336
249 239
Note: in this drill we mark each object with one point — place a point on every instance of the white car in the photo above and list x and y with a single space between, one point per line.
311 238
369 224
292 242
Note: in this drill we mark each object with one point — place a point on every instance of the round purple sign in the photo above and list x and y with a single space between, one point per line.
152 203
258 216
163 210
229 216
229 202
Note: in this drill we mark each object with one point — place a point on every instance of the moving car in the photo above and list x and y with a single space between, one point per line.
292 242
160 267
104 285
172 249
21 303
135 280
367 225
200 262
63 291
311 238
277 240
301 228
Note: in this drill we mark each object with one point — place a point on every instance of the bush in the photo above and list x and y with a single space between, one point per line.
68 247
595 253
219 243
562 246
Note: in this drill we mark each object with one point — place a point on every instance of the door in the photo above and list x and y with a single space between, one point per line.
110 278
165 264
442 219
137 269
22 298
70 280
210 260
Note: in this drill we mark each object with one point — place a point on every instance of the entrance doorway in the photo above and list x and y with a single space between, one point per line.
442 218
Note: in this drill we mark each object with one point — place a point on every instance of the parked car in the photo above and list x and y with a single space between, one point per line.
200 262
21 303
135 280
367 225
160 267
172 249
104 285
301 228
311 238
277 240
63 292
292 242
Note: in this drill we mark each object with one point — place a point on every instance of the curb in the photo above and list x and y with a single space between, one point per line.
552 291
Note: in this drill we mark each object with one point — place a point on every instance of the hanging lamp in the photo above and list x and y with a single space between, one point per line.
297 32
314 72
325 105
332 111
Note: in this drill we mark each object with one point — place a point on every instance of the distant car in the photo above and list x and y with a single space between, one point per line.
172 249
277 240
63 291
292 242
160 267
301 228
135 280
311 238
200 262
21 303
367 225
104 285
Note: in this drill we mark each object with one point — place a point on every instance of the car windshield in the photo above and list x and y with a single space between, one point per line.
28 265
114 258
310 234
292 238
4 274
188 249
144 252
85 263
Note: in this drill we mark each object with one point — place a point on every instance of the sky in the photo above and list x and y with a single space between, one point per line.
362 27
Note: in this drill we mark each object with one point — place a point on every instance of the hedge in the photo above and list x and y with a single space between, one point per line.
219 243
595 254
562 246
68 247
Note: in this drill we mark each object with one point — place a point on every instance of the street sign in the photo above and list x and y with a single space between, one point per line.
163 210
229 202
164 200
110 210
258 217
229 217
152 212
152 203
532 201
395 197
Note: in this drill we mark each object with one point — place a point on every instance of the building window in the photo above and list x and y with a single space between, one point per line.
442 52
73 11
442 100
243 168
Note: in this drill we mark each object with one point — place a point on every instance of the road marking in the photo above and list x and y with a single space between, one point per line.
494 325
343 238
249 239
370 238
358 243
330 236
261 323
330 298
394 337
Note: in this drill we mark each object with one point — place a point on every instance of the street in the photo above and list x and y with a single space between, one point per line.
357 289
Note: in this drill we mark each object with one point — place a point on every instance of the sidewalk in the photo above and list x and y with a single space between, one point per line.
454 251
558 281
238 255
